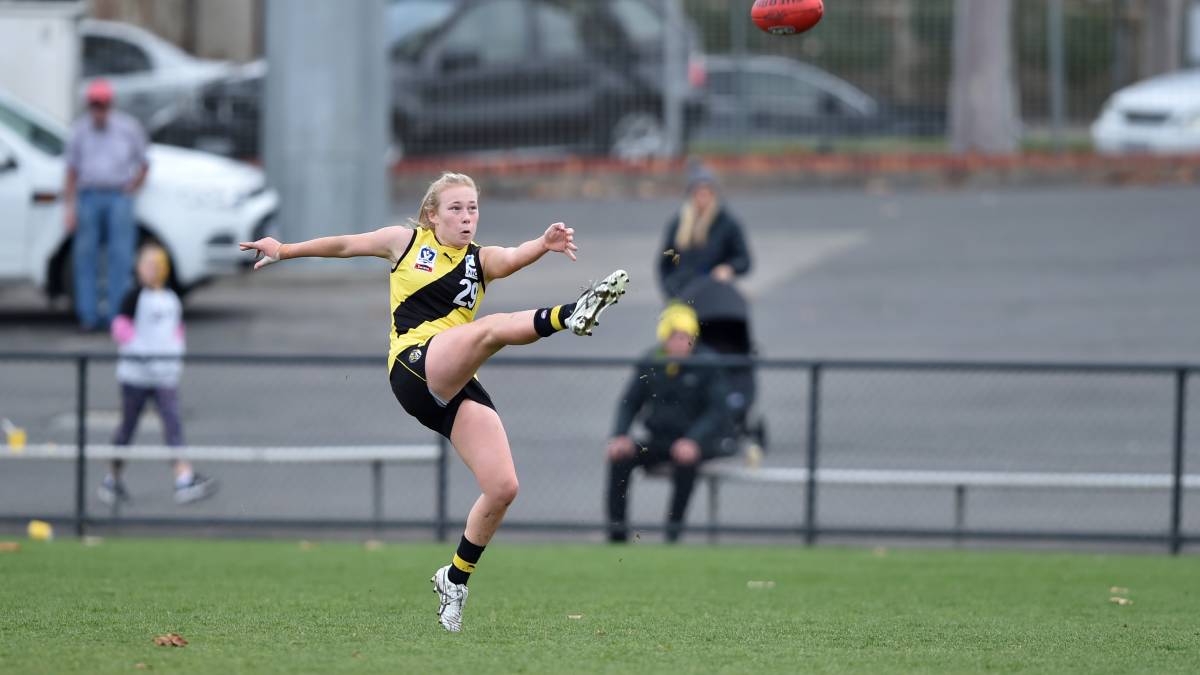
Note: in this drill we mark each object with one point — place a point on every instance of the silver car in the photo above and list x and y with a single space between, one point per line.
147 73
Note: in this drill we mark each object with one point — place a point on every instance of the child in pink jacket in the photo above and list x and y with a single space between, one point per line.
149 333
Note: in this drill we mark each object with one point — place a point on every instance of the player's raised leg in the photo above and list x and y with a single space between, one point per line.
457 353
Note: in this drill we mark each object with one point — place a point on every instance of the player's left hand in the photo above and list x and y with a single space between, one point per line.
685 451
560 239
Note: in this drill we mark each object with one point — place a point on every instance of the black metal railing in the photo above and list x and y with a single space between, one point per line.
810 528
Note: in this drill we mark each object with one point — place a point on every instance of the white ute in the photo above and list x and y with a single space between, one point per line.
197 205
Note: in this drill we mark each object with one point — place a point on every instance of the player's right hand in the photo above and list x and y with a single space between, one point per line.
267 246
620 447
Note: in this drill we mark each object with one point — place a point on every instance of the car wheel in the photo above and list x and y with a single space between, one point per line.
65 273
395 152
398 149
637 135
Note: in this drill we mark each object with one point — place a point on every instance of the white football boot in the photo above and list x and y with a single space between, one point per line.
595 300
452 598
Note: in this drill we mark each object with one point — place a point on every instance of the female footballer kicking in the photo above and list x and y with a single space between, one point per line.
438 279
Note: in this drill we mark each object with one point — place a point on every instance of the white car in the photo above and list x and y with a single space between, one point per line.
1160 115
197 205
148 74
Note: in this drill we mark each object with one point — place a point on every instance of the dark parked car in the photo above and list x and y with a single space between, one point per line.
223 118
477 75
517 73
781 96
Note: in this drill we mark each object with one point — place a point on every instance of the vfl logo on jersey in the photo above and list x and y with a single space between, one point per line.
426 257
471 271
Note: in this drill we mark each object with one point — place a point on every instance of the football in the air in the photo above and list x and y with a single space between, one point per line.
787 17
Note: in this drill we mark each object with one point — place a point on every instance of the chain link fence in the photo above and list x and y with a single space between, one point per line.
876 74
1034 452
635 79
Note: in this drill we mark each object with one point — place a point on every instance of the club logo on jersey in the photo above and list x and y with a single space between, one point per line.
471 272
426 257
414 356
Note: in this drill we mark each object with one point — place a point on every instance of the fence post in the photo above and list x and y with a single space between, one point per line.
737 32
814 433
1181 377
960 513
81 368
1055 39
712 509
439 527
674 61
376 494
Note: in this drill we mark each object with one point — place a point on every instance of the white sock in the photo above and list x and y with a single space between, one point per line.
184 479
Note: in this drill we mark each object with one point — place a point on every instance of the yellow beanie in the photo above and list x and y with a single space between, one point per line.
677 317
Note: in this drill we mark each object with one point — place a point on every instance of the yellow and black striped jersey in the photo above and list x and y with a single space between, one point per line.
433 287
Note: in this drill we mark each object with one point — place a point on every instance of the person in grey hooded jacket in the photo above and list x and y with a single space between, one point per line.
703 238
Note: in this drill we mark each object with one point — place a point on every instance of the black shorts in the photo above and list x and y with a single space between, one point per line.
412 391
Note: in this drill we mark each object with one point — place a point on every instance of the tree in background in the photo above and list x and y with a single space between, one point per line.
1161 37
984 113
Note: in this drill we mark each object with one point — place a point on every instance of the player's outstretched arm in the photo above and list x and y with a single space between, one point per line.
499 262
387 243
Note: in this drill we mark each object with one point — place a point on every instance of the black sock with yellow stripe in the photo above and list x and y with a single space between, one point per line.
464 561
549 320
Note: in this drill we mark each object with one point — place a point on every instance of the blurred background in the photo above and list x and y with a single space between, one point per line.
920 181
878 76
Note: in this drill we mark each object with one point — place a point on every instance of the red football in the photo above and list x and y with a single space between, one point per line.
785 17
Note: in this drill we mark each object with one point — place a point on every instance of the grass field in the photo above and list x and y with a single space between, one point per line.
261 607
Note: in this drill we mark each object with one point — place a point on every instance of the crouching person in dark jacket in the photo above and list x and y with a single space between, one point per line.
681 401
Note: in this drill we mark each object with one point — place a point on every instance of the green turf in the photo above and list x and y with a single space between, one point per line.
263 607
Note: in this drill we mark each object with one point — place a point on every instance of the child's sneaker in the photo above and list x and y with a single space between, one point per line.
200 487
112 491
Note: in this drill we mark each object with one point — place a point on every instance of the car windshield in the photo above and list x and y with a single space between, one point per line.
410 21
35 134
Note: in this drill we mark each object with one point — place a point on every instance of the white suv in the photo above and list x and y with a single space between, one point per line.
197 205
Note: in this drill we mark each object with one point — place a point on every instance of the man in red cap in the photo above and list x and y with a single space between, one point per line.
106 165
